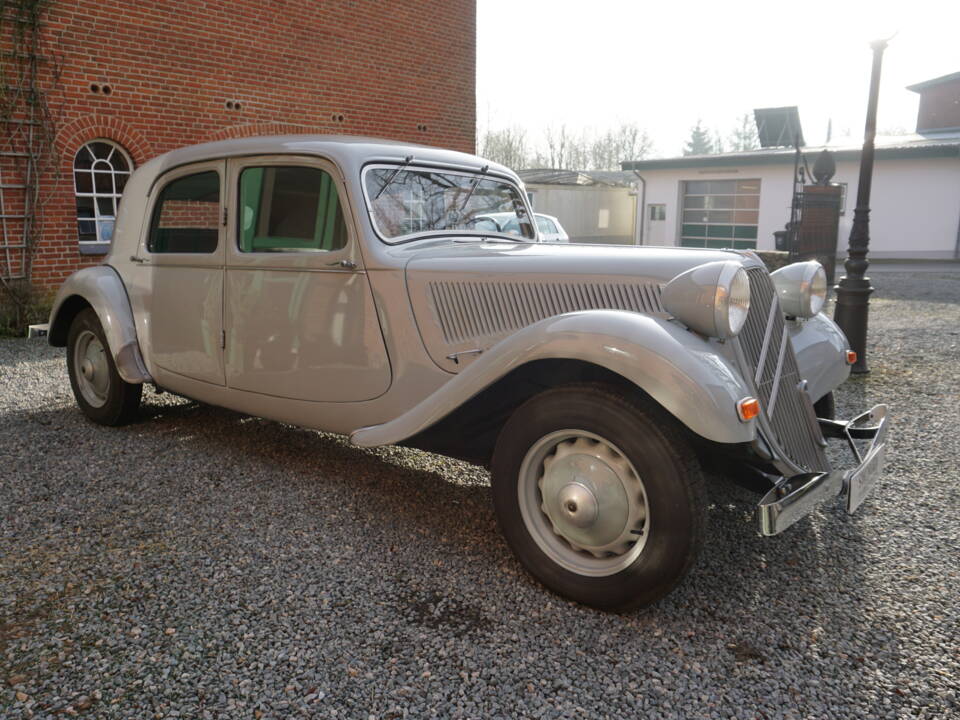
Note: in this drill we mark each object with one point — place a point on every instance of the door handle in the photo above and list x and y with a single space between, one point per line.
347 264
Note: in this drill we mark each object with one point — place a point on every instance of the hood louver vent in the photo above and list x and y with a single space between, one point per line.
469 310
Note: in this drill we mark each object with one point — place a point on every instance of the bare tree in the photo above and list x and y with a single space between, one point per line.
744 136
558 143
507 146
626 142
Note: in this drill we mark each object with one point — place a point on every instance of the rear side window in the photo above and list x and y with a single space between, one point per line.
290 209
186 218
546 225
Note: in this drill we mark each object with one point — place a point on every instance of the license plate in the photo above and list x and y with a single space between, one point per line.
865 477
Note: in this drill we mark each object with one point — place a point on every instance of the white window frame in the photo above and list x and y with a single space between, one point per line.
100 166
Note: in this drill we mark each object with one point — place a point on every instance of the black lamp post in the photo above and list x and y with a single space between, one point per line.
853 291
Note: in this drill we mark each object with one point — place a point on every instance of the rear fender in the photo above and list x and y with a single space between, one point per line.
680 370
101 288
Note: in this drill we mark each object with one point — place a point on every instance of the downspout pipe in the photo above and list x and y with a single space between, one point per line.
642 214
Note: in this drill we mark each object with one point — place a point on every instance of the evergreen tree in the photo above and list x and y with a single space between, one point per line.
699 142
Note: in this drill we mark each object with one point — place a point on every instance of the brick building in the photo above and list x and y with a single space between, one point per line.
124 81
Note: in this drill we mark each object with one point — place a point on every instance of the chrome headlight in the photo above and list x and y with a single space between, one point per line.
712 299
802 288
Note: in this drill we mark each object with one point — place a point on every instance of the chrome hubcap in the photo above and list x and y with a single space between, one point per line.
90 358
583 502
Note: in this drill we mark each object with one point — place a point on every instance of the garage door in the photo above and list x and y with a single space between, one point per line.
720 213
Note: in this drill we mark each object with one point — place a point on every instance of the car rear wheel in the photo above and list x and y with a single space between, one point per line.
103 396
600 496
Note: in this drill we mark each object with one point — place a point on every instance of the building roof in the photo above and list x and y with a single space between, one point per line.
933 144
943 79
550 176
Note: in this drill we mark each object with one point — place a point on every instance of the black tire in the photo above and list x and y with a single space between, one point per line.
119 400
657 447
826 407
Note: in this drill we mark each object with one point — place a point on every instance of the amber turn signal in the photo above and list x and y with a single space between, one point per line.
748 409
851 357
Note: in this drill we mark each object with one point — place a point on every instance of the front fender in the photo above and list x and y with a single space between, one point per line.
680 370
101 288
821 350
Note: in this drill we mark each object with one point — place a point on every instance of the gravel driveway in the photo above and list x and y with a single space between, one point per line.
203 564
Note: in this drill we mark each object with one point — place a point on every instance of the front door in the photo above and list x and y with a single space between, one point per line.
184 251
299 312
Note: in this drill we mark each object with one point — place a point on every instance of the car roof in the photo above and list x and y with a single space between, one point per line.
348 151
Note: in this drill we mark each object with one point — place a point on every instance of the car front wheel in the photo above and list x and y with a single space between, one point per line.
600 496
103 396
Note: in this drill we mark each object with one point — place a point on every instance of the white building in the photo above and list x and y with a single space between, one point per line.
739 199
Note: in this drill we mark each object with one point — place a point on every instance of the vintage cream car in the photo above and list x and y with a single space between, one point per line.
345 284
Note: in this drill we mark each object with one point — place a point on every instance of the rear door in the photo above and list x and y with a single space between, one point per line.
185 255
299 311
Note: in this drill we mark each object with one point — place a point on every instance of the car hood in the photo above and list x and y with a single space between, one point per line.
468 295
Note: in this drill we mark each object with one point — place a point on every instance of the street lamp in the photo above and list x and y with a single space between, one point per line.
853 290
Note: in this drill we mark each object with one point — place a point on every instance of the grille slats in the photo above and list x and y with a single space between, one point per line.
796 434
471 310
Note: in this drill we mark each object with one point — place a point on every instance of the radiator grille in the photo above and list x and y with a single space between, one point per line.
468 310
773 367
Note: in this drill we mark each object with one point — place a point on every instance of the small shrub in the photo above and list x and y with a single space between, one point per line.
22 304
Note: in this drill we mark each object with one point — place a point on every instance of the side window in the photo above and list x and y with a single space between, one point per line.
543 224
290 209
186 218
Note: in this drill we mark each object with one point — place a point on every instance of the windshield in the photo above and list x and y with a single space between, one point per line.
407 202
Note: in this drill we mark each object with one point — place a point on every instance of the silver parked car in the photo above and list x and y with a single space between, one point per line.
353 286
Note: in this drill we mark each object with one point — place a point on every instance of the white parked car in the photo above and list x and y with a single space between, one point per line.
550 229
356 286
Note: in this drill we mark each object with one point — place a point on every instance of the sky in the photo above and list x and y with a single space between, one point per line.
593 64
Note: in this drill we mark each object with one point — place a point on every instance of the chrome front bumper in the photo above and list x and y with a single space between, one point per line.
794 497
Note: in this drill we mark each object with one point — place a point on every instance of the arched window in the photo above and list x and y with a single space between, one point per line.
100 172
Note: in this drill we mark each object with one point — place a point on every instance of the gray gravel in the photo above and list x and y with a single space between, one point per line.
203 564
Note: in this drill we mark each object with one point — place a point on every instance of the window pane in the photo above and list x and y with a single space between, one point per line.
119 162
100 150
746 216
694 202
720 231
749 202
87 229
103 182
84 182
105 207
694 216
720 201
186 218
723 187
694 230
745 232
83 160
120 181
748 187
720 216
105 230
698 187
85 207
285 209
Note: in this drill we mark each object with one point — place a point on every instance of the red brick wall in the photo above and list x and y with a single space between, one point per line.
400 70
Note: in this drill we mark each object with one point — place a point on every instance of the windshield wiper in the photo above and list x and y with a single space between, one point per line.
406 161
463 205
